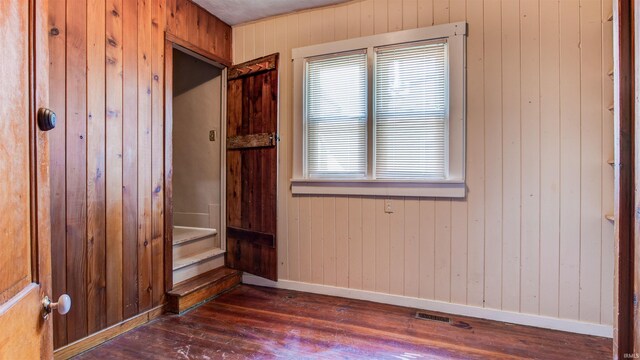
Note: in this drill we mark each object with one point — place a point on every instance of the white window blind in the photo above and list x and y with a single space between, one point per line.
411 111
336 115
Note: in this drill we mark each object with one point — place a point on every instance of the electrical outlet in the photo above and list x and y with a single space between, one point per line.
387 206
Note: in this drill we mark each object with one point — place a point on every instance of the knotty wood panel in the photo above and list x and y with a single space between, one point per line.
191 23
107 158
114 163
537 143
96 184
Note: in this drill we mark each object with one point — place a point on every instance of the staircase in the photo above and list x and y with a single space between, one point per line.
195 252
205 286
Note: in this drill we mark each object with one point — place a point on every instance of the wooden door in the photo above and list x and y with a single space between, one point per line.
252 166
25 268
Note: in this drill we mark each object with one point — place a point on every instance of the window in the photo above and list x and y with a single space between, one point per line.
381 115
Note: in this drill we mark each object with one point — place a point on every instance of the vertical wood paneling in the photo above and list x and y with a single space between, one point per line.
329 240
107 75
394 15
382 247
493 153
355 242
590 160
475 155
380 16
427 251
114 137
76 162
425 12
459 210
570 184
354 21
442 262
130 159
342 241
341 30
57 145
145 270
536 175
369 244
549 159
511 146
367 23
530 144
396 247
412 247
305 238
158 18
96 183
606 301
317 229
409 14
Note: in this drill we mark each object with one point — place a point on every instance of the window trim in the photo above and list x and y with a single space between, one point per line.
454 184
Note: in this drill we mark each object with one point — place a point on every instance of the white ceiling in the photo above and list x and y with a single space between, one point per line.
239 11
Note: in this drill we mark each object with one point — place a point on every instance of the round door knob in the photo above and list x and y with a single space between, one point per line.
46 119
63 305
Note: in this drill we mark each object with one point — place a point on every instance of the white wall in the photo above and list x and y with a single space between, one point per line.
531 236
196 160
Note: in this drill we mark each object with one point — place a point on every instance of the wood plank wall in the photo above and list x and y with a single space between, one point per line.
531 235
107 172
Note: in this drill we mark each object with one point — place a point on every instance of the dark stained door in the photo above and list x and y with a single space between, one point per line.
252 166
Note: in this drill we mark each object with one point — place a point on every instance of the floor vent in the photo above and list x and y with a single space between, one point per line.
432 317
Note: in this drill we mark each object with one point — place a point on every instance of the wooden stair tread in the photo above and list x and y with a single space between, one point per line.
193 259
184 234
203 287
202 280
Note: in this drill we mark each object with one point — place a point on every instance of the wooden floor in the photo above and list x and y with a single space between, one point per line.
255 322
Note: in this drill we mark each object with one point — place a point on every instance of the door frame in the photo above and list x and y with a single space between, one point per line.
626 328
173 42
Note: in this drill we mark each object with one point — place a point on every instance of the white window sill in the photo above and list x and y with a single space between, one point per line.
445 188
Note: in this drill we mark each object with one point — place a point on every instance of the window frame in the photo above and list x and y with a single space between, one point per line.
453 185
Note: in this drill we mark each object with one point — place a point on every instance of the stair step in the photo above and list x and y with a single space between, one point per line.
196 258
184 234
202 287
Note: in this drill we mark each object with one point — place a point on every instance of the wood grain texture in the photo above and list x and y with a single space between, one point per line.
191 23
537 143
300 325
158 19
57 144
108 159
129 16
114 161
626 332
25 261
76 170
96 171
252 172
194 291
251 141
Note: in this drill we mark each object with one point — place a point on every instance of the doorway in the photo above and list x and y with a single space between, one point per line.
198 94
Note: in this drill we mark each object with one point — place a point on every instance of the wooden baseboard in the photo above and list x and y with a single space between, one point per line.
93 340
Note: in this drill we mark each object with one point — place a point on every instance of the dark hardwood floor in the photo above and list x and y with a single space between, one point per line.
256 322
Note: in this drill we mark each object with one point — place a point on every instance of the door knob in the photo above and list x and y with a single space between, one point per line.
46 119
63 305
